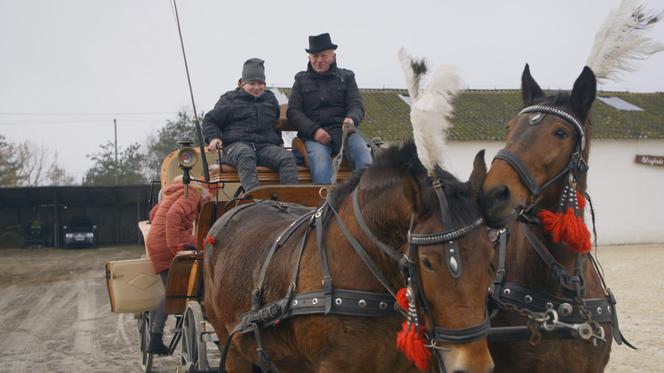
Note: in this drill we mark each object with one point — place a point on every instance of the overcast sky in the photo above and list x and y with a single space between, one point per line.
68 67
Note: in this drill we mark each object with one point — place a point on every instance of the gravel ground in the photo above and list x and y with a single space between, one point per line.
55 315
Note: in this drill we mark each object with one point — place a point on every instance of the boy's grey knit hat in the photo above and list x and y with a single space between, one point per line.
253 70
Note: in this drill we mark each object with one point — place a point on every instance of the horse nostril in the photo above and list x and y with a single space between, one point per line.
459 371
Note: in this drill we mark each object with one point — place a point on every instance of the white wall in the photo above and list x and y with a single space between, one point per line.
628 198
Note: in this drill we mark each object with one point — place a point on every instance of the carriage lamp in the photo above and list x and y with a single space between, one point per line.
186 160
186 155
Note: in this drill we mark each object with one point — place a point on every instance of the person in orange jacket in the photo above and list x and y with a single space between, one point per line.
171 230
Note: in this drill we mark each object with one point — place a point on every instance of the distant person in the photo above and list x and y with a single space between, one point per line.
36 228
324 102
171 230
243 122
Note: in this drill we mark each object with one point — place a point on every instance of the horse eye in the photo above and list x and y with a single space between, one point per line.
561 134
427 264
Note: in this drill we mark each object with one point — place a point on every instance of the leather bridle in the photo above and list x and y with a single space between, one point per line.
409 268
576 165
579 309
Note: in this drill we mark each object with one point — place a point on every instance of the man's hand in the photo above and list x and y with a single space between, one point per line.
322 136
348 125
214 145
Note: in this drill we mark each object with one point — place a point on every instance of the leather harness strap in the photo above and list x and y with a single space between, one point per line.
462 335
567 117
535 300
278 243
348 302
526 176
567 281
521 169
359 219
362 253
324 265
601 310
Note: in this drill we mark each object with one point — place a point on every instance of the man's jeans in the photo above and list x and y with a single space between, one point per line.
320 157
245 157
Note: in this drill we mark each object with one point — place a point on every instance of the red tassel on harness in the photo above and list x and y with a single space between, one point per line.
581 200
410 339
211 240
568 227
411 342
402 300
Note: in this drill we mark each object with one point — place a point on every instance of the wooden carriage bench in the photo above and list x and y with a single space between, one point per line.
227 173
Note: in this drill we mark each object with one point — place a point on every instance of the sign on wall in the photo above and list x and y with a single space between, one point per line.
650 160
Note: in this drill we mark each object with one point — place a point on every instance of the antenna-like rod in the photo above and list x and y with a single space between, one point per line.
201 143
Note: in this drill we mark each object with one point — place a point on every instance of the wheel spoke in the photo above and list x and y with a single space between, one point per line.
144 335
189 341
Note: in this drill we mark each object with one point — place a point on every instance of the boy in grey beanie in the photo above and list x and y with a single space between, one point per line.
243 121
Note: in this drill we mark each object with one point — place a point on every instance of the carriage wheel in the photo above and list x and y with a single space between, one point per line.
144 335
194 350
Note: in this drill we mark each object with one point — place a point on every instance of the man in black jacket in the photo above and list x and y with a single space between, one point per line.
243 121
324 102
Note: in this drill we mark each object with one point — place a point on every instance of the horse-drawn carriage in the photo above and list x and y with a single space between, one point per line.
313 278
308 277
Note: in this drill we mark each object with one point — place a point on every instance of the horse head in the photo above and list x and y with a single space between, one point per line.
546 141
435 223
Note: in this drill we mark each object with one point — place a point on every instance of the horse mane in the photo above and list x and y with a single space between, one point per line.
387 171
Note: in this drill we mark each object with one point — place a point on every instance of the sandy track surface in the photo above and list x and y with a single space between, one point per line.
55 316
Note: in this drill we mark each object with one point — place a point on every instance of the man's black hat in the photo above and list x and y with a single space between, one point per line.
319 43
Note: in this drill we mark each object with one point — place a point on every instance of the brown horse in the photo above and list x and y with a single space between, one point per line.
399 207
547 148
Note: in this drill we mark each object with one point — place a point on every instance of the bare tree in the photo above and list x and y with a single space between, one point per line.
57 175
26 164
7 163
31 161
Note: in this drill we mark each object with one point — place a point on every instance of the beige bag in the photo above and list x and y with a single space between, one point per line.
133 286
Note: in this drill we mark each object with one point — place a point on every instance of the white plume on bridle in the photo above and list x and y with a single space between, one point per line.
430 108
622 39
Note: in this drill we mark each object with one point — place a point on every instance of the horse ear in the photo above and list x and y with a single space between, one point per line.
530 90
583 93
477 176
413 191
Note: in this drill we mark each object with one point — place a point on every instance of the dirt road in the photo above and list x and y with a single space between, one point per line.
55 316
